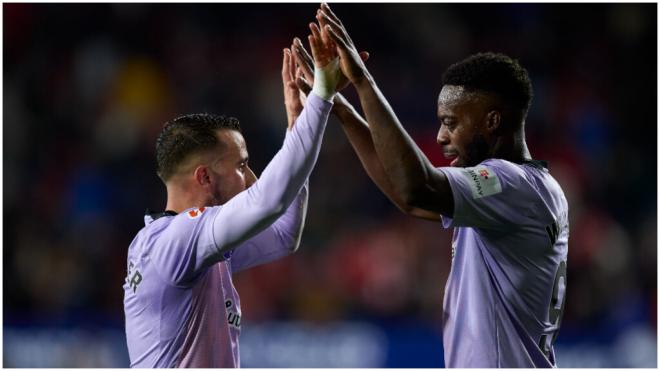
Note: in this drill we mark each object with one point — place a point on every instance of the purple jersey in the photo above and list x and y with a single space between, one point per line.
181 307
504 296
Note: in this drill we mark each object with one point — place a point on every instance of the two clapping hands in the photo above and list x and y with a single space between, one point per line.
333 64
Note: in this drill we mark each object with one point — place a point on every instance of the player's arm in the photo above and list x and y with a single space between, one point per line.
415 180
263 222
358 133
209 236
269 197
283 236
280 239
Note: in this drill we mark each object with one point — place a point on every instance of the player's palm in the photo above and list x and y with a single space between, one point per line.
323 52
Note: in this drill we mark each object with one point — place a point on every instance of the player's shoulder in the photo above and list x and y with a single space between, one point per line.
503 167
190 220
197 215
146 237
171 226
522 178
530 171
532 177
506 172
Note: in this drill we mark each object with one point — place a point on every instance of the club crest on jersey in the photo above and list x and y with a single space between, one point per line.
195 213
483 181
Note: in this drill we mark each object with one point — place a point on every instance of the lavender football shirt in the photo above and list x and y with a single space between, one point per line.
181 307
505 294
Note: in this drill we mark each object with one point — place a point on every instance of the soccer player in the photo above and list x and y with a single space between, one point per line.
505 294
181 307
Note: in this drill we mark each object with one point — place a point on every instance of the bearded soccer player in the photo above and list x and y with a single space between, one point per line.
505 294
181 307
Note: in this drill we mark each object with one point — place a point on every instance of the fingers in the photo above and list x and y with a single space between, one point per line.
325 10
292 65
304 60
337 26
324 34
315 43
315 31
364 56
326 47
322 55
286 58
323 16
316 51
339 40
303 54
334 24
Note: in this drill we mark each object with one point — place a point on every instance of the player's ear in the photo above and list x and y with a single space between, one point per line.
201 175
494 122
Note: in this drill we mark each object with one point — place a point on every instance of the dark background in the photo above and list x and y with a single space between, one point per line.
86 88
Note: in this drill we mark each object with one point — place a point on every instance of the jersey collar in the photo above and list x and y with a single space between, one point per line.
541 164
150 216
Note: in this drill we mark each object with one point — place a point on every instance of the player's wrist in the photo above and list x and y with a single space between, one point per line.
326 79
342 108
363 80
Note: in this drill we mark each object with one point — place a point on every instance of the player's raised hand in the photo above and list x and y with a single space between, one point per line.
351 63
305 62
327 73
292 102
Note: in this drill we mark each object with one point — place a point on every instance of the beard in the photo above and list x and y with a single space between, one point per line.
475 152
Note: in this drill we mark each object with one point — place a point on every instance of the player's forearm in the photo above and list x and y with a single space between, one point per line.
269 197
406 167
284 176
358 134
280 239
289 227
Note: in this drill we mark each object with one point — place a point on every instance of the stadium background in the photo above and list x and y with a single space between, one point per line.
86 89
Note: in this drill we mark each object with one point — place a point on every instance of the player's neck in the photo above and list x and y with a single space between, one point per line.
179 200
512 148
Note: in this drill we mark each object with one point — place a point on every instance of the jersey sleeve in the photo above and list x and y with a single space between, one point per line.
493 194
280 239
256 208
223 228
186 246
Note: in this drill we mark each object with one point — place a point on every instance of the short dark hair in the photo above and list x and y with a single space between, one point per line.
187 135
493 73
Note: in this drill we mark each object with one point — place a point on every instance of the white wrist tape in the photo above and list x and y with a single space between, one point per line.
326 79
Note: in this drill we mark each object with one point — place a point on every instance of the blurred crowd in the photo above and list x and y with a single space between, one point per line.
87 87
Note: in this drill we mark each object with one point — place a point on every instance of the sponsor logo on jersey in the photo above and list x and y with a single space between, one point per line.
196 212
483 181
233 317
